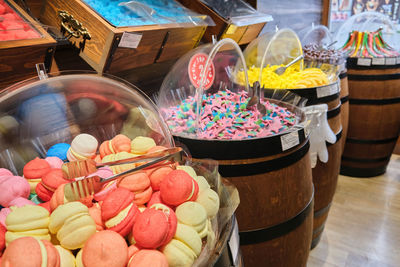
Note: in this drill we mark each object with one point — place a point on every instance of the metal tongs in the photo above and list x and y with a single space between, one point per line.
84 184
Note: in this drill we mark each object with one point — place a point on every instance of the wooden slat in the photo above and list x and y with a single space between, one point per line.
363 224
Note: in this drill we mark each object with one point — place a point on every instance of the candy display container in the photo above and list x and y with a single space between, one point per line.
241 152
237 20
21 35
264 56
42 116
114 37
372 68
319 51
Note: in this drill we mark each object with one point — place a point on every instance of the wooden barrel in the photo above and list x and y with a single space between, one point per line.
325 175
374 120
274 181
344 99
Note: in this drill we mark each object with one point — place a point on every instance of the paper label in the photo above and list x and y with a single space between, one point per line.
290 140
231 29
391 61
327 90
378 61
234 243
398 60
130 40
196 65
364 61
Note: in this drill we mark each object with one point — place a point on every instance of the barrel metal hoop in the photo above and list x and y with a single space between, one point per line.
238 170
333 112
362 172
338 137
344 99
266 234
342 75
387 101
376 160
371 142
382 77
322 211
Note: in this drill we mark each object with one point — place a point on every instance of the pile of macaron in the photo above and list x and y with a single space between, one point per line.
160 216
12 26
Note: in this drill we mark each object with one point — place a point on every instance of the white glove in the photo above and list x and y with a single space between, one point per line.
320 132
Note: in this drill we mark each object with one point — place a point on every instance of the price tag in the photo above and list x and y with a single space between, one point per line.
195 69
378 61
290 140
364 61
234 243
390 61
327 90
130 40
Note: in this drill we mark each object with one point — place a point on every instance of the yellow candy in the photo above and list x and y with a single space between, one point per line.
291 79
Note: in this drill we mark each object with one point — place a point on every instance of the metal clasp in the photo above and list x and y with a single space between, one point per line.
73 28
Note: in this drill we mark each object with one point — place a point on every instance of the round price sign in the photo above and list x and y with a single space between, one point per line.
196 66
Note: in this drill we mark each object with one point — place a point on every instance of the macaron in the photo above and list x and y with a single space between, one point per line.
177 187
51 181
148 257
141 144
201 181
2 238
29 220
156 198
139 184
55 162
193 214
83 146
58 150
209 199
5 172
119 156
34 170
43 193
95 213
59 198
189 236
67 259
154 227
105 190
118 211
72 224
105 249
157 174
20 201
178 254
172 219
12 187
3 215
121 143
29 251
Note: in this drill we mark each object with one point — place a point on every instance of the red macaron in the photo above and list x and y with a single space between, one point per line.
154 227
3 231
36 168
116 202
178 187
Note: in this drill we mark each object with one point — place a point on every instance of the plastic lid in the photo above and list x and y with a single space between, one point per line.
319 35
237 12
208 69
36 114
368 22
122 13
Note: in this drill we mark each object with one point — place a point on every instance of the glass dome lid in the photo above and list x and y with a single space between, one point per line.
37 114
319 35
368 22
210 69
